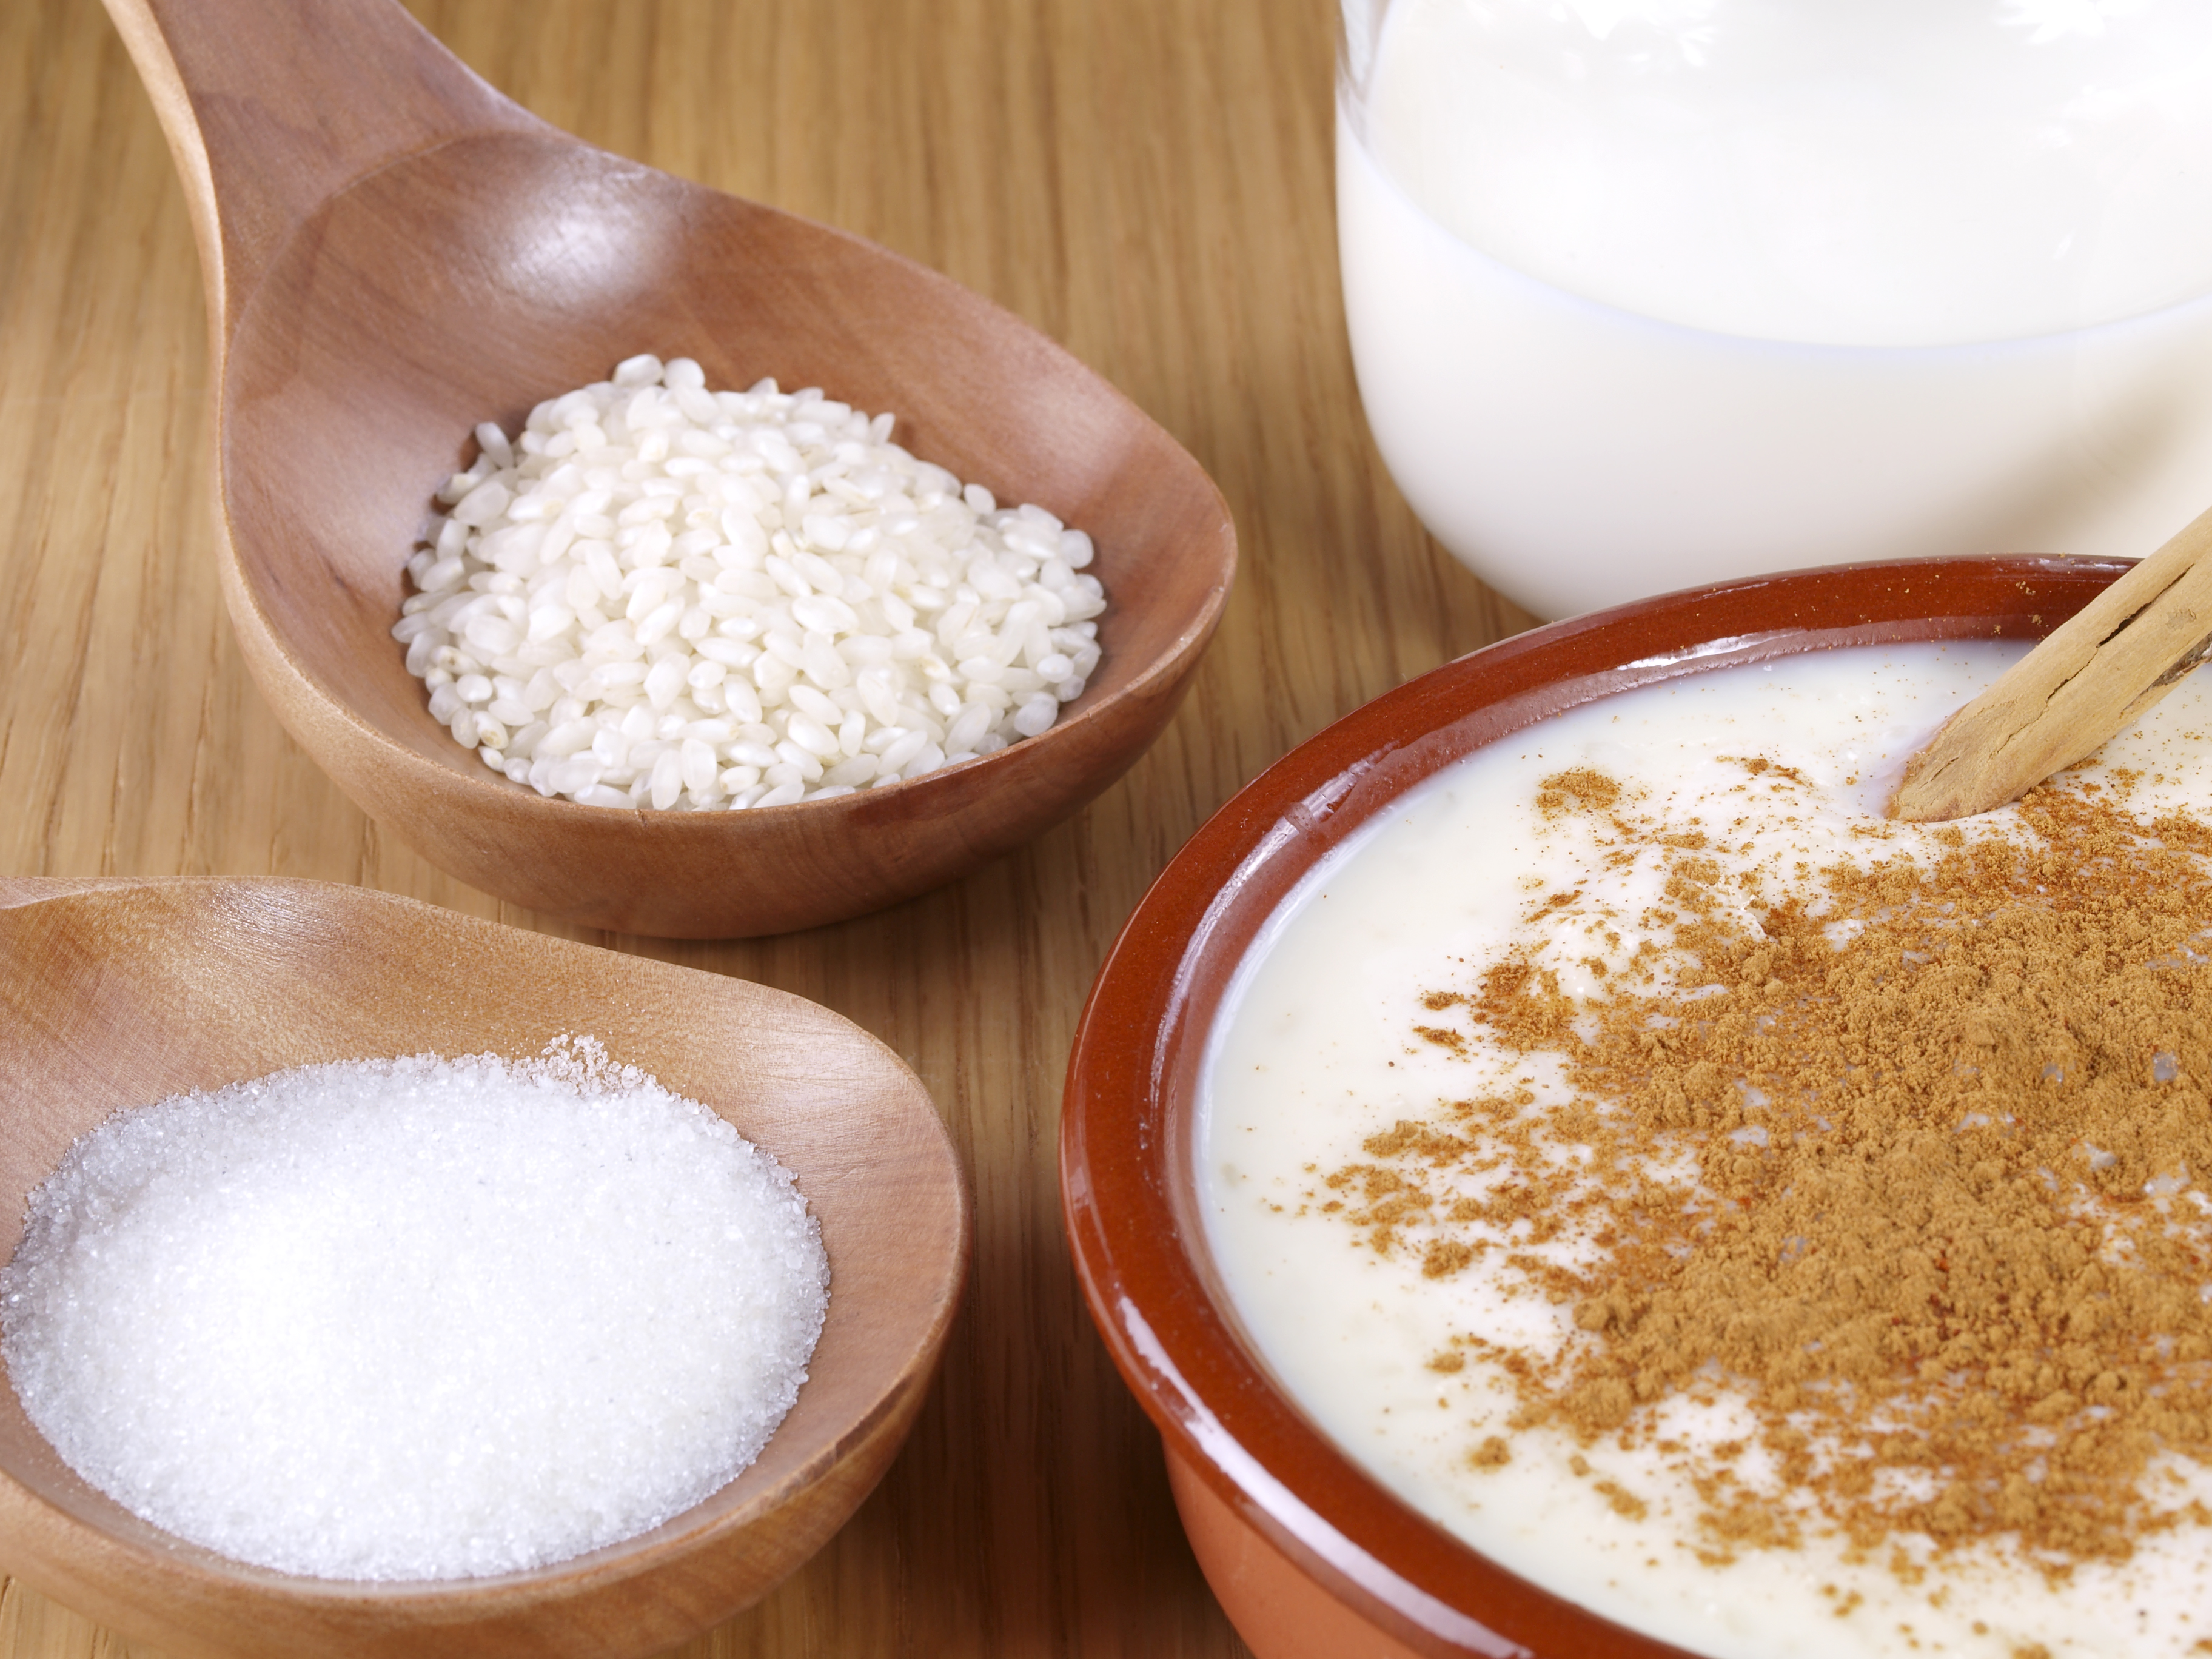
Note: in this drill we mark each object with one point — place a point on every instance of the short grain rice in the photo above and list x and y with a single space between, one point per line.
663 596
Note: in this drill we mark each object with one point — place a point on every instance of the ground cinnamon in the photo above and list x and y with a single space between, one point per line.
1906 1153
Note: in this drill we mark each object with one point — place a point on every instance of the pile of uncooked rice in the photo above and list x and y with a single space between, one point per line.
663 596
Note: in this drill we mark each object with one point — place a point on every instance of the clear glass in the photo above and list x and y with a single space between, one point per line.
1647 293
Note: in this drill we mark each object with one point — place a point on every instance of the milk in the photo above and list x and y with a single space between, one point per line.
1890 173
1310 1056
1634 306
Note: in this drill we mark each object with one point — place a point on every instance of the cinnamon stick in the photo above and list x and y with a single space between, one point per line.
2093 678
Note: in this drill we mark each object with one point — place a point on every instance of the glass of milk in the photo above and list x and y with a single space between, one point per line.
1649 293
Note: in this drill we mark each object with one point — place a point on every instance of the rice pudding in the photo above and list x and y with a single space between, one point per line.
1418 1196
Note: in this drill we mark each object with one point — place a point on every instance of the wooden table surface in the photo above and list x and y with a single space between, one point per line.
1147 180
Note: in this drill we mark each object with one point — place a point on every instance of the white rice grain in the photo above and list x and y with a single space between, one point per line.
658 596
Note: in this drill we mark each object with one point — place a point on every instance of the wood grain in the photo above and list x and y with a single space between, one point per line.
1148 181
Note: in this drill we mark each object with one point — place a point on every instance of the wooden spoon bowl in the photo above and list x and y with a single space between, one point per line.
114 993
394 252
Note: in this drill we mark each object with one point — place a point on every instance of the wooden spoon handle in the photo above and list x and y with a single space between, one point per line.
271 106
2095 676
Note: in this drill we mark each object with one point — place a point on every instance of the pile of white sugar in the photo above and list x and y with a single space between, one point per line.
414 1319
663 596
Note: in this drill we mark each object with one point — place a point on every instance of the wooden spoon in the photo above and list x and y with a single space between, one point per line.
117 993
2096 675
394 252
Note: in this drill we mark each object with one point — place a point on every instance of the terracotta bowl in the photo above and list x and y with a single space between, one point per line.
1311 1556
114 993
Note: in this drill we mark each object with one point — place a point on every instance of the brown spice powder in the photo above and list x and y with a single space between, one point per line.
1944 1222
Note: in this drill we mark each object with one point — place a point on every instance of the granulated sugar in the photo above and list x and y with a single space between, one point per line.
417 1318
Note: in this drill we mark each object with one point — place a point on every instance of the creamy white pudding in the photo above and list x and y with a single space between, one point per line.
1396 1332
